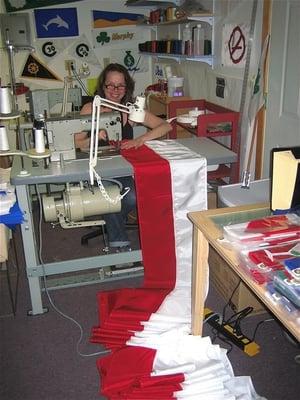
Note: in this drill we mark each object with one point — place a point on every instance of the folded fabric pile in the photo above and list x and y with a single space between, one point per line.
173 365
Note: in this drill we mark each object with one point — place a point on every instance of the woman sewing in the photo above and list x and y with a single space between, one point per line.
115 84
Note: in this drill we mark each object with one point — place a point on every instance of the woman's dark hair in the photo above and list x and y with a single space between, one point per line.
114 67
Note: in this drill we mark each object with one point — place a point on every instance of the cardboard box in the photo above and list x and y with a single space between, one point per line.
211 200
158 105
225 280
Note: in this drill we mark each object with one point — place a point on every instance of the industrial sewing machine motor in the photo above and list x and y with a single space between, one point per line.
76 203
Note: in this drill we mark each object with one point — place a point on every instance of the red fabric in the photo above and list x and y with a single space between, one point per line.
125 374
121 311
154 201
121 379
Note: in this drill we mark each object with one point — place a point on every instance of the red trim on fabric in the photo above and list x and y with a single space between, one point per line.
125 373
155 212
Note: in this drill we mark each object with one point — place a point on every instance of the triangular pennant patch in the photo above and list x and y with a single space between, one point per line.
35 69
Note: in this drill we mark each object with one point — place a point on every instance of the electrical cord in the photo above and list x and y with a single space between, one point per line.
217 335
229 301
258 325
55 308
211 316
235 320
79 80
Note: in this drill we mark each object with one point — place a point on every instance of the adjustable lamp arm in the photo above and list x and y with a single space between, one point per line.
136 114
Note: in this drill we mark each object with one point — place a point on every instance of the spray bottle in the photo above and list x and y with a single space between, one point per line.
187 40
198 43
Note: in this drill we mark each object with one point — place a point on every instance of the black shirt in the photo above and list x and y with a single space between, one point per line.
127 129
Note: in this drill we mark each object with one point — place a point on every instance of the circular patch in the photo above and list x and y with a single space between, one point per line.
49 49
33 68
82 50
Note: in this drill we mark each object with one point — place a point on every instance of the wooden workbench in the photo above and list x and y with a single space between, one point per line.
206 232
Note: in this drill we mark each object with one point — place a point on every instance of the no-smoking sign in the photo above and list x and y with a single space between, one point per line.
236 45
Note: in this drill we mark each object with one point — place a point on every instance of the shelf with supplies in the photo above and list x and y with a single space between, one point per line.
180 57
158 104
169 39
211 121
207 17
148 3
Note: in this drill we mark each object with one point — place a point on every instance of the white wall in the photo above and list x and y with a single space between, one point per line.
57 65
200 79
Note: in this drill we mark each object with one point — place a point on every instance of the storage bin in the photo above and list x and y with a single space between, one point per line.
223 278
235 195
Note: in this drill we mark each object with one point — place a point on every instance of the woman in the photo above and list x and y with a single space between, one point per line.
116 84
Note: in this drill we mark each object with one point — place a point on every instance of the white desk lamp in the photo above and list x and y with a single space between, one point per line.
136 114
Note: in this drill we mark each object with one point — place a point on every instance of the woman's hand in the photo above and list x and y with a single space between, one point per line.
102 135
134 143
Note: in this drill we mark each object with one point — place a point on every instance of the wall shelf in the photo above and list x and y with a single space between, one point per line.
161 31
148 3
178 57
208 18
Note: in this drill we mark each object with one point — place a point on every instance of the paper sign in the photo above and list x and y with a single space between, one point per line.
114 36
234 45
131 59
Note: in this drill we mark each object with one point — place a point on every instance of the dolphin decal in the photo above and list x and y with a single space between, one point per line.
57 21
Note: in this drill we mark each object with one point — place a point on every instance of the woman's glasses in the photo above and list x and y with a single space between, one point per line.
115 87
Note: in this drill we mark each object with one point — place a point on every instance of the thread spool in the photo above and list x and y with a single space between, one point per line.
4 146
5 100
39 140
171 13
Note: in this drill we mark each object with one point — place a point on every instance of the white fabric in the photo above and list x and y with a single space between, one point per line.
189 191
7 191
206 368
4 243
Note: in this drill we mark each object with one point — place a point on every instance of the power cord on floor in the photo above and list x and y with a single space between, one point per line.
222 325
259 324
229 302
217 335
235 320
55 308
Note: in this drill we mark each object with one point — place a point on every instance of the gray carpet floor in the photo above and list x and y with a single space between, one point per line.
39 357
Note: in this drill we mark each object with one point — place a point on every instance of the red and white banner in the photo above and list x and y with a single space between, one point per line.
148 329
170 182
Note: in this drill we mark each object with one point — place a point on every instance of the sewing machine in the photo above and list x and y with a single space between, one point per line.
76 171
60 132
